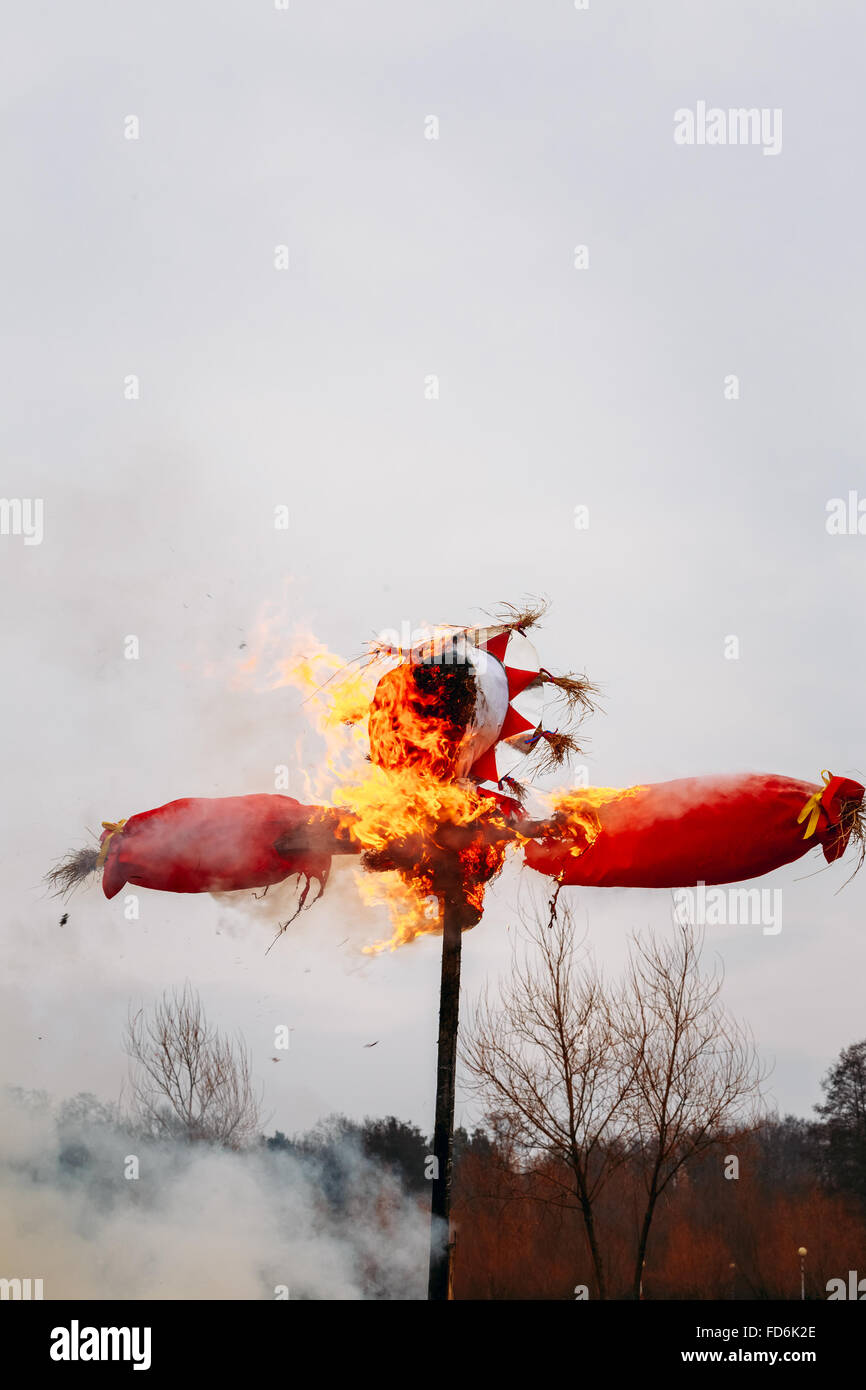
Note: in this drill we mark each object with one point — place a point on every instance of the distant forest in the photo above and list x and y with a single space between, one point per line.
800 1183
721 1229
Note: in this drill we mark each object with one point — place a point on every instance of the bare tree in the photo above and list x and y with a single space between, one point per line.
544 1056
187 1080
586 1077
695 1072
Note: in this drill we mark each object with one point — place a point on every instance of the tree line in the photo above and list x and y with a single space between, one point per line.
626 1150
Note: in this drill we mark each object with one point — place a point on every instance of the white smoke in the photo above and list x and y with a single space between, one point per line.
197 1222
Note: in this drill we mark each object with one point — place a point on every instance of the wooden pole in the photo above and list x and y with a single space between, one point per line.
442 1252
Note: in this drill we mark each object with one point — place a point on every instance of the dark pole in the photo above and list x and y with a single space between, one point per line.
441 1255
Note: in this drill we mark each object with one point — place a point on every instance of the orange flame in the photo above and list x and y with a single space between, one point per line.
575 813
391 731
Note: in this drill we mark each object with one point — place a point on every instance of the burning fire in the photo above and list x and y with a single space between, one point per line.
399 731
392 731
575 813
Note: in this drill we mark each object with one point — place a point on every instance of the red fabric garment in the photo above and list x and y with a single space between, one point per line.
209 844
697 829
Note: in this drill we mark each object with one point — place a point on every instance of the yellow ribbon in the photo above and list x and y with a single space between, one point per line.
812 809
113 828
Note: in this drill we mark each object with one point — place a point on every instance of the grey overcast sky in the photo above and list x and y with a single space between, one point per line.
559 387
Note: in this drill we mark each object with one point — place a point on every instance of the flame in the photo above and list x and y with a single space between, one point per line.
391 730
412 914
392 724
336 694
575 813
394 815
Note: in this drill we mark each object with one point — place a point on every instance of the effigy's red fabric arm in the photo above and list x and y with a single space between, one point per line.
698 829
665 835
209 844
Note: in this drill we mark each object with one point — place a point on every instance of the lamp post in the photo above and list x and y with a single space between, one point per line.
802 1252
733 1272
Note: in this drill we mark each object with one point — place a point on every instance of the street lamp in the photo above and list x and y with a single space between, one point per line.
733 1269
802 1252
